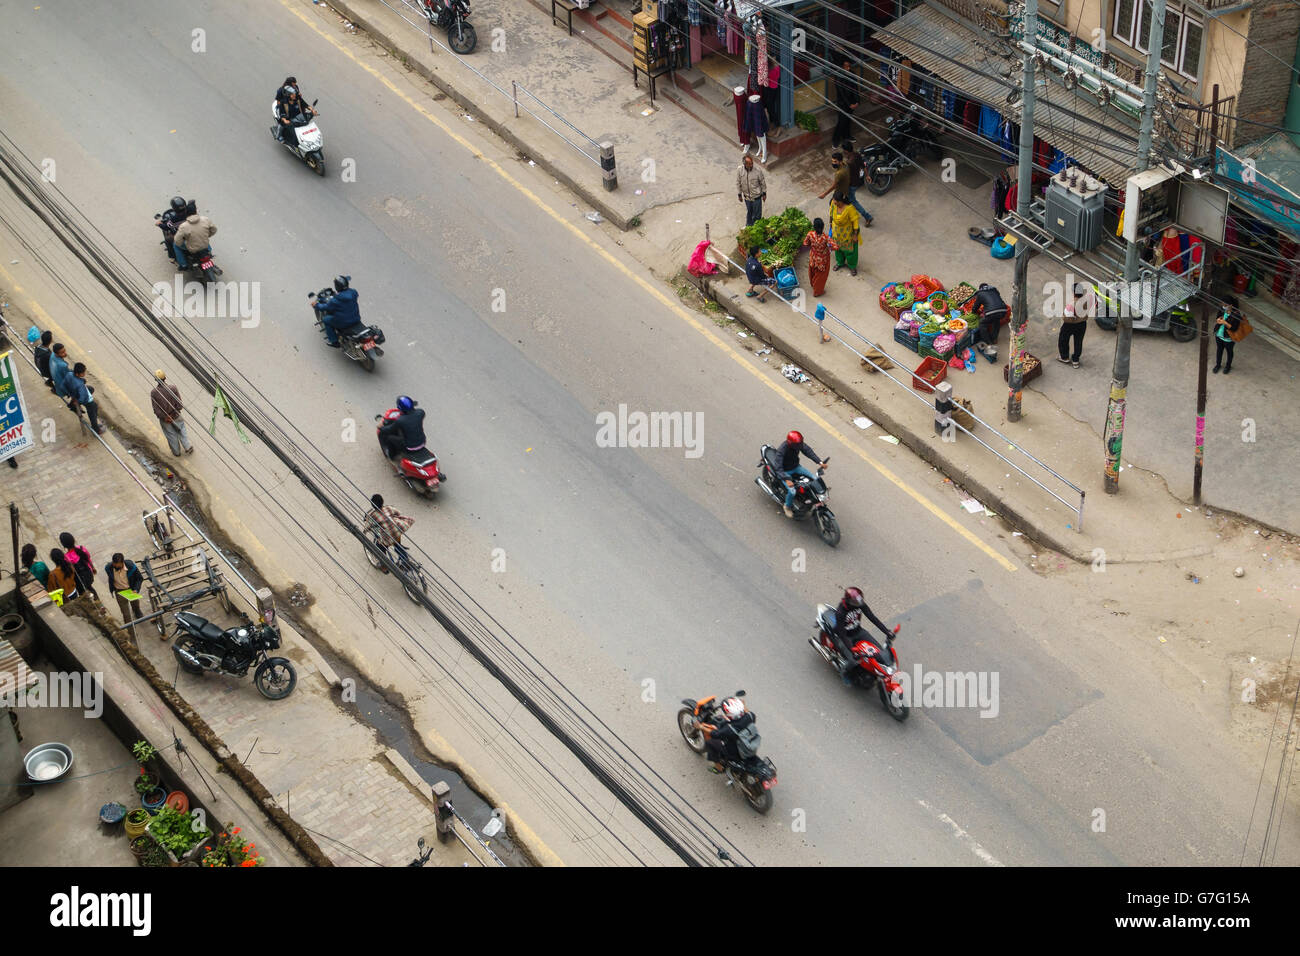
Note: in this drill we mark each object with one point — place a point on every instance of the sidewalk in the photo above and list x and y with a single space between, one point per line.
919 228
324 767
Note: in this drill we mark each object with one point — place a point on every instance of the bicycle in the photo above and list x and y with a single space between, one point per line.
400 560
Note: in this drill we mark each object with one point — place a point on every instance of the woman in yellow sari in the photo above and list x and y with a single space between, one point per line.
845 229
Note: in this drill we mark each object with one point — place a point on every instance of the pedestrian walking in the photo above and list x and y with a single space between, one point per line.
840 183
59 372
857 179
845 229
757 276
847 96
751 189
167 406
1229 324
1074 324
39 569
81 562
83 396
819 259
125 581
42 354
62 579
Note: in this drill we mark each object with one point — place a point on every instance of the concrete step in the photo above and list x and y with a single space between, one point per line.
690 78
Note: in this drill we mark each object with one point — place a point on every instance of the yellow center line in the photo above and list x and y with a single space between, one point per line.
658 294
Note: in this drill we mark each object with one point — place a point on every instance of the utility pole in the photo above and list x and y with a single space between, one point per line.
1207 254
1024 193
1113 440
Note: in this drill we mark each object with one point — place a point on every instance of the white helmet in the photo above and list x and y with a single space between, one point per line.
732 707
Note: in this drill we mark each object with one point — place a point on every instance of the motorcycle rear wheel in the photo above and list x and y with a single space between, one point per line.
190 644
275 678
462 38
896 709
758 798
879 183
692 734
827 527
1182 331
367 362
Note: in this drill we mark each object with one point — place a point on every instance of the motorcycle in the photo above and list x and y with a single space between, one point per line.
905 140
201 646
877 665
202 268
809 498
452 16
361 343
306 141
755 775
418 469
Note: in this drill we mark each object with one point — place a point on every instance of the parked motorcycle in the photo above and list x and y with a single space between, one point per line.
755 775
419 470
361 343
906 139
202 267
809 498
877 664
452 16
201 646
305 141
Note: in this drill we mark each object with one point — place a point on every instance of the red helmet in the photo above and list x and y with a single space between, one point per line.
794 438
853 597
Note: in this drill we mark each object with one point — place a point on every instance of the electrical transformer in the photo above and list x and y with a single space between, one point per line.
1076 206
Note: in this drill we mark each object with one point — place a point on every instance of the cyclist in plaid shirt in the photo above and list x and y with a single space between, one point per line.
387 523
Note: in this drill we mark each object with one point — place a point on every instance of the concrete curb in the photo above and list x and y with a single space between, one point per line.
401 48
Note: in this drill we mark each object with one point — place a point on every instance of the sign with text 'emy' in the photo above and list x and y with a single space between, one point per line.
15 430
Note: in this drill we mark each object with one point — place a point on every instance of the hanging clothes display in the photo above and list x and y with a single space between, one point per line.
971 116
999 198
1058 161
735 36
760 54
1009 139
693 12
949 104
904 82
989 122
755 116
720 8
738 94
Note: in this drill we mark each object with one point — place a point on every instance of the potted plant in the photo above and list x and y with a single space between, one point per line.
137 821
179 834
140 846
231 849
154 855
146 782
144 752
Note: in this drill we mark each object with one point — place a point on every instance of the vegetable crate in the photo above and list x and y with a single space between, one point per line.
929 373
902 338
1033 369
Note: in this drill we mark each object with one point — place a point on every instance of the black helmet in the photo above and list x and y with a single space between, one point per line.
341 282
178 203
377 500
853 597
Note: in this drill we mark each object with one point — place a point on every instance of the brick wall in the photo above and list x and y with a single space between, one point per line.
1266 83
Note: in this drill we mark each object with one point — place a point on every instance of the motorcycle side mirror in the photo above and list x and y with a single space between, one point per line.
311 295
740 693
313 103
379 418
420 843
897 628
157 216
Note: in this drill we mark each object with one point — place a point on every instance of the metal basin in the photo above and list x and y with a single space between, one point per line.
48 762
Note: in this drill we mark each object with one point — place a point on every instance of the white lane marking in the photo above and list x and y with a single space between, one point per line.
965 838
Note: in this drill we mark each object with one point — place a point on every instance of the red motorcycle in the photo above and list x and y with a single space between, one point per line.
419 469
876 663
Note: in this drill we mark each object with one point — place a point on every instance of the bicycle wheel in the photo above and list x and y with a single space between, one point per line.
414 582
374 558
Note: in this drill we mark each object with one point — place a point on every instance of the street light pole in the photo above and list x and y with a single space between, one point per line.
1024 194
1113 439
1207 255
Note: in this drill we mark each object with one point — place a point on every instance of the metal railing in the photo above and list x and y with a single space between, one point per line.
425 27
906 386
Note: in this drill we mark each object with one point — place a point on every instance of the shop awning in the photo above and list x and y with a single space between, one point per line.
1111 152
1274 180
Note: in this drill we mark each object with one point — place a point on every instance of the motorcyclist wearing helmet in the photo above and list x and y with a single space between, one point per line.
789 453
848 624
340 312
405 433
721 743
193 236
170 221
289 105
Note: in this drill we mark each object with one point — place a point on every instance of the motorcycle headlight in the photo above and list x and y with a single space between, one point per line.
889 670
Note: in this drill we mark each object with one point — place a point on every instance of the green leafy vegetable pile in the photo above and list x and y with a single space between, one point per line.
779 237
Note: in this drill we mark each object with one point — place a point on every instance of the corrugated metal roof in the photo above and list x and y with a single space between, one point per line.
1111 153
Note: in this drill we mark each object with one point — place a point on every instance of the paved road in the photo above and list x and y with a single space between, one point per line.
649 564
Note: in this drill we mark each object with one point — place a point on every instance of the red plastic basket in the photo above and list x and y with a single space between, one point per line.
929 373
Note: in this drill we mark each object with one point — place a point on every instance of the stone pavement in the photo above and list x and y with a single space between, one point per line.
323 764
920 226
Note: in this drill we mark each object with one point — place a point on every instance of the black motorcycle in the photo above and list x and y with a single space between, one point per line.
361 343
755 775
452 16
202 646
810 494
202 267
907 138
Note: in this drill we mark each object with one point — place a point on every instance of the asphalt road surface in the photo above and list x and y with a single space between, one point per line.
515 322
